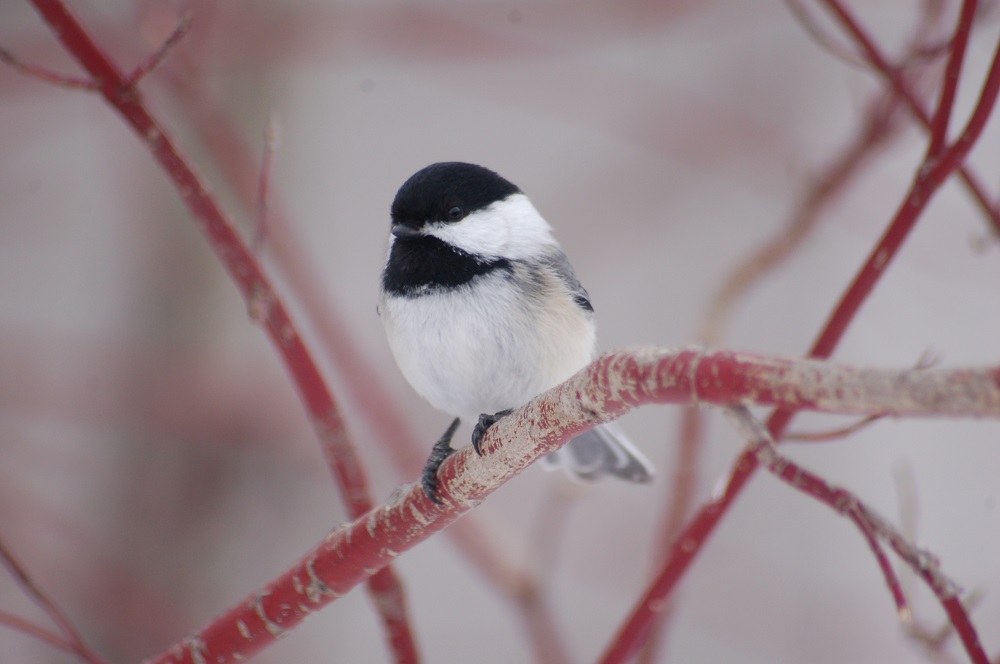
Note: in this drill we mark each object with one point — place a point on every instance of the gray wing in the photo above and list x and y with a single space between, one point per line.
604 450
560 266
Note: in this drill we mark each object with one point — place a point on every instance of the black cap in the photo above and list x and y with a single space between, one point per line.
447 192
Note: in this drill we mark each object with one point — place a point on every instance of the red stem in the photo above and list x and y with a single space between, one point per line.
893 75
633 632
891 580
845 502
873 527
929 178
262 301
949 86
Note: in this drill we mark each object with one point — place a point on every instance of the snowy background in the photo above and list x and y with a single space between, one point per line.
156 465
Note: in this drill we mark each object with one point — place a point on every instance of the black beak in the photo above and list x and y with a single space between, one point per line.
400 229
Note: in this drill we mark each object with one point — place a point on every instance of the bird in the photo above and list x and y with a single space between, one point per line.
482 312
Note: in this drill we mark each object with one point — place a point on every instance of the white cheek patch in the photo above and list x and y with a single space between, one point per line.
511 228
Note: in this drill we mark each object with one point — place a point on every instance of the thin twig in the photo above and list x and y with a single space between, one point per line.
926 361
881 123
157 56
272 133
832 434
45 75
35 631
873 526
894 76
825 40
70 636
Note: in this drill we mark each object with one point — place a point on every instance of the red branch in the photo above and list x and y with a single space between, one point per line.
873 527
402 445
938 125
263 303
609 387
901 88
880 124
949 86
928 180
605 390
369 392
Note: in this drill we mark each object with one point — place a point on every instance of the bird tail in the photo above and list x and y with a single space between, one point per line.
603 450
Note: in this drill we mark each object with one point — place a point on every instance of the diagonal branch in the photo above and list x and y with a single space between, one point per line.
609 387
873 527
45 75
936 125
949 86
154 60
881 123
929 178
482 549
263 303
70 639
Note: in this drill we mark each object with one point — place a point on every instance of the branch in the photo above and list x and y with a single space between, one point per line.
70 640
154 60
928 180
605 390
263 303
262 211
45 75
872 525
949 86
402 445
33 630
895 77
881 123
930 176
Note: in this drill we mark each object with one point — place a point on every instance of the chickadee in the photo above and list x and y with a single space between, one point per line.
483 312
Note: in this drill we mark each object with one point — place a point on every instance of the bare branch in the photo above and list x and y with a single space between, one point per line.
609 387
925 185
263 302
272 134
873 526
832 434
155 58
45 75
71 639
36 631
949 86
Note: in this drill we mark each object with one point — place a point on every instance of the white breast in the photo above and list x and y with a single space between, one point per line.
483 348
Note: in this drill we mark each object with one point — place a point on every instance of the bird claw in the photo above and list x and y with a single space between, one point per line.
485 422
442 450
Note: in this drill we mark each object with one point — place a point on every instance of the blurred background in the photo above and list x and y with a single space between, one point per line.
155 462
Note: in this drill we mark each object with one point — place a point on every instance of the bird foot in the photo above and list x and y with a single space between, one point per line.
441 451
485 422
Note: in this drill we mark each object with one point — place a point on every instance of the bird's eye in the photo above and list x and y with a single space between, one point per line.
455 213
